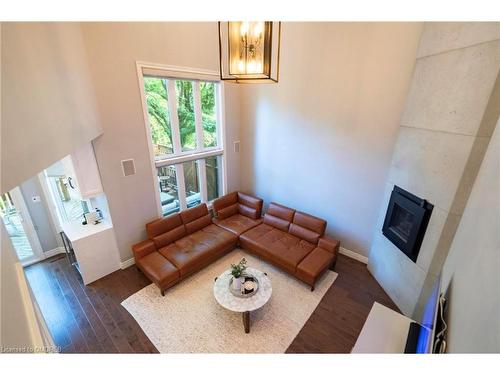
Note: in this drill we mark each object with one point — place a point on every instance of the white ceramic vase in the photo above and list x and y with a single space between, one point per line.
237 283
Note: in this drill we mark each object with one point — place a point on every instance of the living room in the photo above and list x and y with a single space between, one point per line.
329 203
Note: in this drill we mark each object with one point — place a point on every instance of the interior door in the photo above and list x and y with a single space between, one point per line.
18 223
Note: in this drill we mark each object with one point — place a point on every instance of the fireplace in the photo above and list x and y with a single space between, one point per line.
406 221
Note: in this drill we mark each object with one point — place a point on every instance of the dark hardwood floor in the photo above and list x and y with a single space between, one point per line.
90 319
337 321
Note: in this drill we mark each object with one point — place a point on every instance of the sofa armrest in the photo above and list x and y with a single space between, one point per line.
143 248
329 244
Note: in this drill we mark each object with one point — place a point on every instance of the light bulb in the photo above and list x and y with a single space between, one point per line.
251 66
258 69
241 66
244 28
258 28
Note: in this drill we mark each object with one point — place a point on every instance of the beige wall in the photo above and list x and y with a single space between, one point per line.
470 274
321 139
48 104
113 49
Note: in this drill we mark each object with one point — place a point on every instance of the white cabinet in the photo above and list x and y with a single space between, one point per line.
95 249
86 172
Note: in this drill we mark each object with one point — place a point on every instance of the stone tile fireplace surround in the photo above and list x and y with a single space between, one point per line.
450 114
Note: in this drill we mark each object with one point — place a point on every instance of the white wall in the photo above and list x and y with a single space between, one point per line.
321 139
19 325
471 269
39 214
113 49
50 108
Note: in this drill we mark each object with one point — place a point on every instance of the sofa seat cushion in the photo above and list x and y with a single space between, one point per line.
290 251
193 251
215 237
159 269
237 223
253 239
186 254
257 248
279 247
313 265
250 239
256 232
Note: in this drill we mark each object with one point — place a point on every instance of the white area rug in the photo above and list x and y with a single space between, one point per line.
189 319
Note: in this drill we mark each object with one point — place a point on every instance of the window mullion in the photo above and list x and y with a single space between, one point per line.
202 174
197 115
181 186
174 118
188 157
218 111
220 129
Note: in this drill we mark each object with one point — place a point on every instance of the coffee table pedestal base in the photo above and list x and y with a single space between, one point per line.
246 321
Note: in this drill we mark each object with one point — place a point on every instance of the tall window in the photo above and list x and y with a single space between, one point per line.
184 122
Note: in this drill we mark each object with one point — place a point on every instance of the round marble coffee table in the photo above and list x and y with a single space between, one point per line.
243 305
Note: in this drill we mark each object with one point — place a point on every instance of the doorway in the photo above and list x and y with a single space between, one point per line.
20 228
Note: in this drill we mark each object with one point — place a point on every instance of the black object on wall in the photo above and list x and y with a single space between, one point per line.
406 221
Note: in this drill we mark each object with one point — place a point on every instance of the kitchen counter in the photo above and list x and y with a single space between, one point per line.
75 230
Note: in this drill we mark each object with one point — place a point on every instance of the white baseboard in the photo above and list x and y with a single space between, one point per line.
353 255
129 262
51 253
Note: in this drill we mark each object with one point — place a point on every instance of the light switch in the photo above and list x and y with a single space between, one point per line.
236 146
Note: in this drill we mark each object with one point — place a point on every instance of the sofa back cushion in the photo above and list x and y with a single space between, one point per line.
166 230
307 227
196 218
279 216
223 202
249 206
237 202
227 211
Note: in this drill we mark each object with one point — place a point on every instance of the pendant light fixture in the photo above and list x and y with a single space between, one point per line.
249 52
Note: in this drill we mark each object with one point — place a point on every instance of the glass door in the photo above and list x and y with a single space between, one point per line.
70 207
19 227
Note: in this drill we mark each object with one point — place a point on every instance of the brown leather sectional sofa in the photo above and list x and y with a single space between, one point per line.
182 244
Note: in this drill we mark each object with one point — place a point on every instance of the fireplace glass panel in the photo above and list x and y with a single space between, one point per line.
402 222
406 221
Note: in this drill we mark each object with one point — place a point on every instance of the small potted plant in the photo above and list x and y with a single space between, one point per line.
237 273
